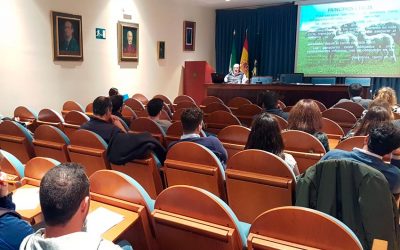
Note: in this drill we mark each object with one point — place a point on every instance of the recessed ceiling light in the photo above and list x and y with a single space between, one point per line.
227 0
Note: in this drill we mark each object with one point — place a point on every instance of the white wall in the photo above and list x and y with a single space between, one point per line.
30 77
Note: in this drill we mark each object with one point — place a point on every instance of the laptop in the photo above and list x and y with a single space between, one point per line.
217 78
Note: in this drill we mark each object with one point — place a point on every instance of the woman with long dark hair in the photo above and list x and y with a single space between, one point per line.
266 135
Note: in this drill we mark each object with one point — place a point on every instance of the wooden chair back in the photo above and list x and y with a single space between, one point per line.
51 142
71 106
185 105
13 167
267 182
191 218
26 115
282 123
124 192
89 109
164 115
275 229
73 121
344 118
142 114
353 107
146 172
331 129
305 148
183 98
88 149
128 113
174 133
134 104
320 105
234 138
141 98
192 164
141 125
246 113
167 101
36 168
236 102
211 99
177 115
218 120
50 117
352 142
215 106
16 139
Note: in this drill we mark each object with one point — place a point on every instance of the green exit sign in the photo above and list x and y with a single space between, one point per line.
100 33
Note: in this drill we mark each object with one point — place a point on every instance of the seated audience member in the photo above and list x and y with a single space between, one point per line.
355 90
192 121
103 122
12 228
306 116
154 107
266 135
236 76
270 104
65 200
112 92
374 115
382 139
389 95
117 104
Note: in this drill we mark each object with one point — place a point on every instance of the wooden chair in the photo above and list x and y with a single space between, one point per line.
36 168
16 139
128 113
344 118
257 181
174 133
89 109
281 104
124 192
354 108
352 142
50 117
51 142
146 172
216 106
234 138
191 218
142 114
282 123
71 106
141 98
218 120
287 108
305 148
246 113
73 121
88 149
141 125
164 115
236 102
167 101
211 99
183 98
177 115
185 105
134 104
333 131
27 116
192 164
300 228
320 105
12 167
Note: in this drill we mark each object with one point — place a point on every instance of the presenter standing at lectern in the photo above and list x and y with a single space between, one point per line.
236 76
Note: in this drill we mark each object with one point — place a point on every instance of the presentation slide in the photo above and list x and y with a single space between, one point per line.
357 38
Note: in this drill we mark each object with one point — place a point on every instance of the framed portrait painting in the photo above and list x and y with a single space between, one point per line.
128 40
67 37
189 35
161 49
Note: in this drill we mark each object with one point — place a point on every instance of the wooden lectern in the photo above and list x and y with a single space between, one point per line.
197 76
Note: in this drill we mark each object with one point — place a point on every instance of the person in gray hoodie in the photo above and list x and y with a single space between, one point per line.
64 199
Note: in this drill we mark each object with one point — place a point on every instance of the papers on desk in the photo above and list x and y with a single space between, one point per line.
101 220
26 198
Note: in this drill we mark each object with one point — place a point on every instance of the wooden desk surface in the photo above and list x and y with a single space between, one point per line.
31 214
333 143
113 233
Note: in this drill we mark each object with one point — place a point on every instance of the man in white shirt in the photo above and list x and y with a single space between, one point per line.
236 76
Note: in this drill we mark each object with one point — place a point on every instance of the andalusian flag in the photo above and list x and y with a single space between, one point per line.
244 60
233 58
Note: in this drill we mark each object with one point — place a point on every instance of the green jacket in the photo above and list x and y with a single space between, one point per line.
354 193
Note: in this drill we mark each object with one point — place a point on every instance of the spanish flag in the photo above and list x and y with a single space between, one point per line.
244 60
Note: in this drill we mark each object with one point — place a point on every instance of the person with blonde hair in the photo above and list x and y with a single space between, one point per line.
388 94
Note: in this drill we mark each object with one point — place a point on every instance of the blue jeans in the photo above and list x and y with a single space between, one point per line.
125 245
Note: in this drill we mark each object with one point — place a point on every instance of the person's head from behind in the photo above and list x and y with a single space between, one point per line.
113 91
64 196
265 135
236 68
269 100
388 94
305 116
381 103
117 103
374 115
154 107
383 138
192 120
355 89
102 107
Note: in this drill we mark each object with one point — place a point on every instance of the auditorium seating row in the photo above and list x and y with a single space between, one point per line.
183 217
